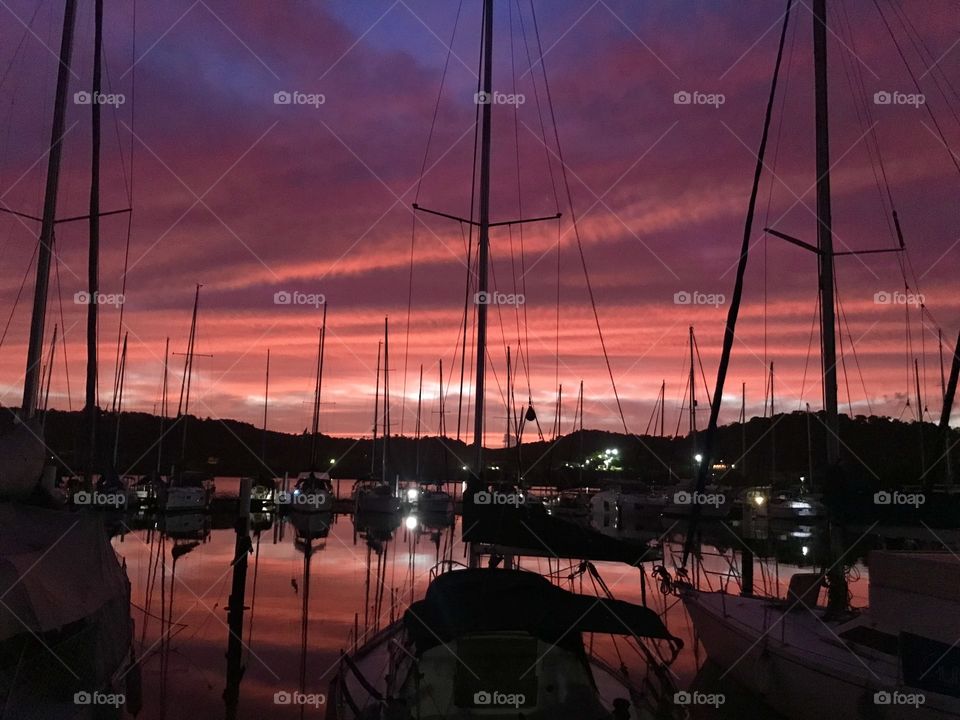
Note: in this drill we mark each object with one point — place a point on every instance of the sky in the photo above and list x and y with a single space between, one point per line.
252 197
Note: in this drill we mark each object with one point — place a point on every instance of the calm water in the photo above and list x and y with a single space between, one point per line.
305 597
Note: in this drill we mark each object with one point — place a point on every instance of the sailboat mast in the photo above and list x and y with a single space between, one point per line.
419 407
266 402
93 253
183 407
120 377
376 413
443 419
484 239
825 234
163 404
31 380
837 585
693 397
386 399
315 426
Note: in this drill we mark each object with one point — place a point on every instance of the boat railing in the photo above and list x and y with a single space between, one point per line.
445 566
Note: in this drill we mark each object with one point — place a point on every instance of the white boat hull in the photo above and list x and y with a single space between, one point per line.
797 665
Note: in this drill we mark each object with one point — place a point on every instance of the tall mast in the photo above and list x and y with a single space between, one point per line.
183 407
376 414
266 401
121 374
837 590
419 407
443 419
825 234
93 253
509 429
31 380
693 397
484 249
315 427
163 404
386 399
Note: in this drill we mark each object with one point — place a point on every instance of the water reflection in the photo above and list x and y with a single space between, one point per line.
319 583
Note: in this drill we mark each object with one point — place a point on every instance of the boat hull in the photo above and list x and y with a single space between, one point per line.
778 659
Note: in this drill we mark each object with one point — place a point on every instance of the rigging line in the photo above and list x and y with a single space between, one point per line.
473 202
806 363
573 216
933 66
129 186
16 300
553 186
916 84
524 357
778 137
23 38
843 355
734 308
66 366
413 228
703 375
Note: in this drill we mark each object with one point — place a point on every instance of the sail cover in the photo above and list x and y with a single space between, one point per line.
56 567
488 600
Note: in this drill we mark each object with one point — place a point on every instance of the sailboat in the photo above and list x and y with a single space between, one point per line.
380 496
499 642
433 504
898 658
313 492
188 490
66 634
263 492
